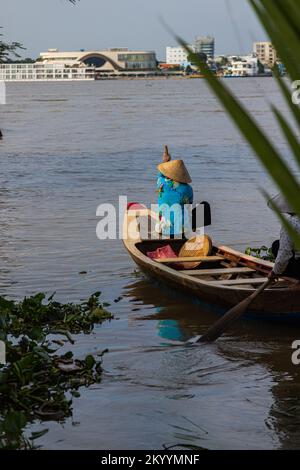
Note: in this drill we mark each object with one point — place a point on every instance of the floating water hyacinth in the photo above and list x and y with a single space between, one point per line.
35 379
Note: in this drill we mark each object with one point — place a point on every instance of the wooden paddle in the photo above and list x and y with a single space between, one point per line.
218 328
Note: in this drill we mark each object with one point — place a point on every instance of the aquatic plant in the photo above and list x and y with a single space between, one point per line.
38 383
263 252
37 318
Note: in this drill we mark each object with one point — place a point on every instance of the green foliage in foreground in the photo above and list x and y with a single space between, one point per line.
37 383
281 20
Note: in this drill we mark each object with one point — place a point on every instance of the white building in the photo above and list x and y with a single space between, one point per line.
245 66
44 72
177 55
106 60
82 65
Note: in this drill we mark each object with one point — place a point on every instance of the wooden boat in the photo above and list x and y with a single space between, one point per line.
223 279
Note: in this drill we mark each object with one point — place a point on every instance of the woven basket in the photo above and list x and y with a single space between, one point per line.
197 246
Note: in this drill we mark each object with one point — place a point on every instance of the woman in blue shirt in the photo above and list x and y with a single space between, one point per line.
174 192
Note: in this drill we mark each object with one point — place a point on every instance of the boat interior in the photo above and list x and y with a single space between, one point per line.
220 268
224 267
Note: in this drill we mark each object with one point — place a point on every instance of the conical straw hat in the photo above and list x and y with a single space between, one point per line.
197 246
175 170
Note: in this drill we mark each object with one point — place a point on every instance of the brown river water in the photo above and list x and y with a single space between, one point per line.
69 147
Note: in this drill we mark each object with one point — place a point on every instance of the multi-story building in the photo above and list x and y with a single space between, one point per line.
205 45
82 65
244 66
265 53
108 60
44 72
177 55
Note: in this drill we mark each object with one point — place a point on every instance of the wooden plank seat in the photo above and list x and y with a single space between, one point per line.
206 259
281 300
215 272
238 282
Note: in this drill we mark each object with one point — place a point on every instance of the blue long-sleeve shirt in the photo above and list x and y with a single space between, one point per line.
171 193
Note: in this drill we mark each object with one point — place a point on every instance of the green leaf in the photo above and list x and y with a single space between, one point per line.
90 361
295 236
68 356
287 94
289 134
275 23
281 20
36 333
263 147
38 434
14 422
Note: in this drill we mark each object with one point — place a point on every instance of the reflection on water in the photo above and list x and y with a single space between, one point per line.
241 392
247 345
68 148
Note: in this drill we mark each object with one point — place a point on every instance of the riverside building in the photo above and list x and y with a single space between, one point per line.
82 65
205 45
177 55
42 72
244 66
266 53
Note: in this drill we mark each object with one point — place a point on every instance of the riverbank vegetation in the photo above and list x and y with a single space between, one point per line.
38 382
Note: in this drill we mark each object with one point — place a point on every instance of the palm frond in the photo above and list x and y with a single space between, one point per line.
261 144
288 133
281 21
287 94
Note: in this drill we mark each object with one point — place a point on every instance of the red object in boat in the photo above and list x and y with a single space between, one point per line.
163 252
135 206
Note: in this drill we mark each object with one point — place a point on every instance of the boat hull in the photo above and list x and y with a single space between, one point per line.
222 300
280 304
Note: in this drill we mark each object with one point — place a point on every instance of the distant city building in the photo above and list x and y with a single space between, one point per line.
44 72
206 45
221 59
177 55
109 60
244 66
265 53
82 65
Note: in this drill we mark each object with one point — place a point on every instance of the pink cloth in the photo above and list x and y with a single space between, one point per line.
163 252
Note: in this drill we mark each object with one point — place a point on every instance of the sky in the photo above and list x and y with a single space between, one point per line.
136 24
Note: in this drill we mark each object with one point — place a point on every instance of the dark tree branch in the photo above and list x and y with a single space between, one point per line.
7 49
11 49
